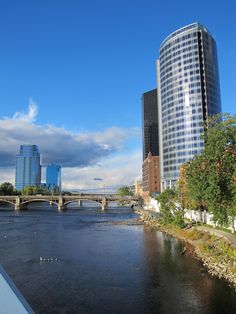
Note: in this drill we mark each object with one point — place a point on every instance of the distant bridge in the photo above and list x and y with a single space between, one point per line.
61 201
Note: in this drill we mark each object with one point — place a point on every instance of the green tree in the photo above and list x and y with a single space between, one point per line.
27 190
220 153
196 176
211 175
44 191
31 190
6 188
186 199
170 211
124 191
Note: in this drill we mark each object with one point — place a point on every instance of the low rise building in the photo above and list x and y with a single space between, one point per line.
138 188
151 176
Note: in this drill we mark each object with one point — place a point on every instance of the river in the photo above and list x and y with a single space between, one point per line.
102 266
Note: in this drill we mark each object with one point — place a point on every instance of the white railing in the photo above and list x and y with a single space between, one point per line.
11 300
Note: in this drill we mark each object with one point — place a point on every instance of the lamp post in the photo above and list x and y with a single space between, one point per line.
100 179
104 189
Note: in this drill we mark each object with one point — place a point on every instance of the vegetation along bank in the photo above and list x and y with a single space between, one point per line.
217 254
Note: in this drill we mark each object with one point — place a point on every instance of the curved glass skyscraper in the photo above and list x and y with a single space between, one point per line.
188 92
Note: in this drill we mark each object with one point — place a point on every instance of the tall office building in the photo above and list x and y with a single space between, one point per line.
150 123
28 168
53 177
150 167
188 92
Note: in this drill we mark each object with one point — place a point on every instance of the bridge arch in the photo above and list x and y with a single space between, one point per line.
39 200
7 202
82 199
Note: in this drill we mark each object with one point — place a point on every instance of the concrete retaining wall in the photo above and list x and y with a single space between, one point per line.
194 215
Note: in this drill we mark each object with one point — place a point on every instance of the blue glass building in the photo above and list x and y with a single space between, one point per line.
28 167
188 92
53 177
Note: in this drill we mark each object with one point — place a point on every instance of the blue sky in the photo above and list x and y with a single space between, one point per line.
85 64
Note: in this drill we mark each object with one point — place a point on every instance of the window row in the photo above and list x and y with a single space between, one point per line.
177 92
181 140
181 82
183 147
174 43
178 78
184 53
170 73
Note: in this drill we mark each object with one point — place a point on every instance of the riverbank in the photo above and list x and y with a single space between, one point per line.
217 253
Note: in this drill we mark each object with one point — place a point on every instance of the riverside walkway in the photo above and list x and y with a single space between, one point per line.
230 237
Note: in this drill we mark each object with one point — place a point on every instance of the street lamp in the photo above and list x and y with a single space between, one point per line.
100 179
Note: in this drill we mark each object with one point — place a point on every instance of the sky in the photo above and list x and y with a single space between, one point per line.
72 73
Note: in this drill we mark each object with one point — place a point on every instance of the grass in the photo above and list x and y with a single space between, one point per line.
217 248
211 245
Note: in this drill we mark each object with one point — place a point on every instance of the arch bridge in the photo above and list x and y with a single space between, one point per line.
62 201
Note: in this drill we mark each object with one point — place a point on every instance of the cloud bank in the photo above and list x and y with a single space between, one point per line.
58 145
114 172
83 155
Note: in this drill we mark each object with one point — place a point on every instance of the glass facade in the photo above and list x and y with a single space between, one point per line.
189 91
53 177
150 124
28 168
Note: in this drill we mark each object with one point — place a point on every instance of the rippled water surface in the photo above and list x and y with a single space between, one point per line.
102 266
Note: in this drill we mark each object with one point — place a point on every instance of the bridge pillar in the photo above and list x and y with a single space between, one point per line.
17 203
104 203
60 204
80 203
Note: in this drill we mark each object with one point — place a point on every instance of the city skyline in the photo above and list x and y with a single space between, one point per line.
86 71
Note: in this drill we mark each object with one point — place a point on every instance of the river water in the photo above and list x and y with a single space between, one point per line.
102 266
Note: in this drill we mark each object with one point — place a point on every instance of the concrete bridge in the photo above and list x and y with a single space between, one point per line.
62 201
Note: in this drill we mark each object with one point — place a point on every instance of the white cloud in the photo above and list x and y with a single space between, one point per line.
58 145
30 116
114 171
7 174
83 155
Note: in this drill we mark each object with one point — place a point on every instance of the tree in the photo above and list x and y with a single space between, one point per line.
196 177
170 211
34 190
28 190
6 188
186 198
211 176
220 151
124 191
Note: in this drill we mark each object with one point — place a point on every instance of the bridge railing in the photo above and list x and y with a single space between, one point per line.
11 300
